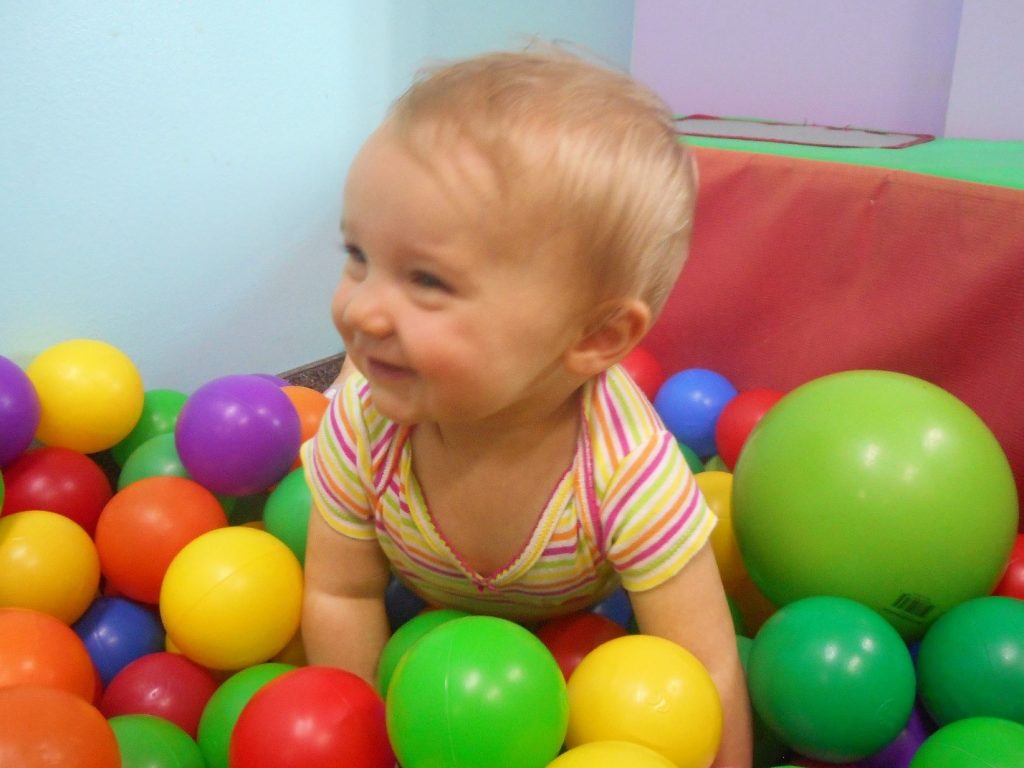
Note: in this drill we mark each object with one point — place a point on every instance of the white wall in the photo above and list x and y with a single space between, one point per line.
986 100
170 173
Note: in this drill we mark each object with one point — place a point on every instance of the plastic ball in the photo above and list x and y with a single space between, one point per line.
645 370
238 435
143 528
286 513
46 727
407 636
116 631
157 457
310 406
58 480
401 604
570 638
161 684
616 607
647 690
878 487
611 754
313 717
1012 582
832 678
146 741
47 563
976 742
738 418
90 395
19 411
477 691
692 459
222 710
232 598
38 649
689 402
971 662
716 487
160 409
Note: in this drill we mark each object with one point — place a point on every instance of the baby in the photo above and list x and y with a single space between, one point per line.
512 229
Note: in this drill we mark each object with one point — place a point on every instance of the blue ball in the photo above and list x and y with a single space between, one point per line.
689 402
117 631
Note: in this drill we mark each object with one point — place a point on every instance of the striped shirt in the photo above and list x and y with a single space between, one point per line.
626 511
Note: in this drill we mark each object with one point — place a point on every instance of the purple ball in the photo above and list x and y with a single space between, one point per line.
900 751
238 435
19 411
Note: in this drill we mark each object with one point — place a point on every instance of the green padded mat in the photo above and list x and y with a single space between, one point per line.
1000 163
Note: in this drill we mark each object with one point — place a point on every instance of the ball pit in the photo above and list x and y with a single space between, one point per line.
689 402
455 700
47 563
286 513
879 487
737 420
232 597
90 394
307 718
617 686
570 638
238 435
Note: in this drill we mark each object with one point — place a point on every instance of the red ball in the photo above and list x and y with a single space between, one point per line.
57 480
145 525
570 638
738 418
162 684
645 370
1012 583
313 717
44 726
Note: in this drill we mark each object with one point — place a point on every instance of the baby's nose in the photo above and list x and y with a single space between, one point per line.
366 310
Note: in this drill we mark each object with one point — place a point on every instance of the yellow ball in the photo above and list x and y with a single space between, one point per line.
650 691
90 395
48 563
611 754
232 598
717 490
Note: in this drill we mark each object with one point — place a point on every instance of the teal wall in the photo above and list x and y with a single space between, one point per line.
170 172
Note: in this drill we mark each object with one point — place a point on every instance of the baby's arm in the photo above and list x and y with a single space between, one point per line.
344 623
691 610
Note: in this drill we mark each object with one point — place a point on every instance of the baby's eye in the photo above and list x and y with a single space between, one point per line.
355 253
427 280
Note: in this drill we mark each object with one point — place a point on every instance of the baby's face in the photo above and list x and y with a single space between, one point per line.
449 321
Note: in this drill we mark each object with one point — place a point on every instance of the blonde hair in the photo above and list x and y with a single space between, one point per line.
578 148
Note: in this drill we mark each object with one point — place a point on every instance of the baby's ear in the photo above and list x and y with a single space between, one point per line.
616 327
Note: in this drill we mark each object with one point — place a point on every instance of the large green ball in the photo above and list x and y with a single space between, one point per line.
879 487
477 691
831 678
971 662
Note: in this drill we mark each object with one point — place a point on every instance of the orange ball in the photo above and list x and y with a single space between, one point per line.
144 526
46 727
311 406
38 649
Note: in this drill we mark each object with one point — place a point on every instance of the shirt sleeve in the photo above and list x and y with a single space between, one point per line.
336 464
654 517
